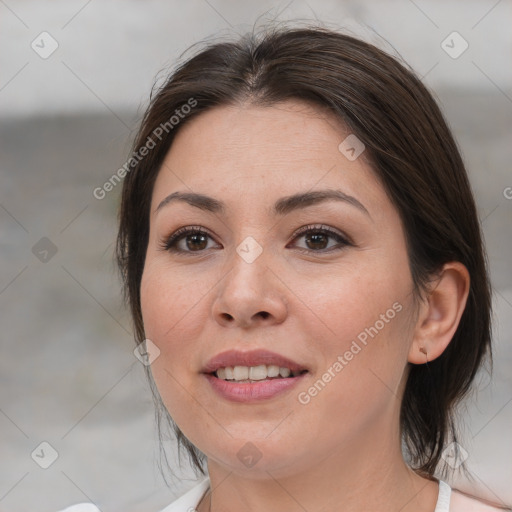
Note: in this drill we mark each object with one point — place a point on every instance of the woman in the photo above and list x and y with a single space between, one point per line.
304 265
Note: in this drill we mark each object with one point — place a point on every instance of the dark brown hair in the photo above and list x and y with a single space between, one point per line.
412 152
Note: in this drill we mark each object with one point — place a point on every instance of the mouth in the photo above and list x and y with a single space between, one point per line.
248 374
254 375
252 365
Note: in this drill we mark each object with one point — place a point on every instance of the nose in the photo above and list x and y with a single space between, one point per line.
250 294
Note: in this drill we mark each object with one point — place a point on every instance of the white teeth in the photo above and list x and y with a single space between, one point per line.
241 372
253 373
258 372
273 370
284 372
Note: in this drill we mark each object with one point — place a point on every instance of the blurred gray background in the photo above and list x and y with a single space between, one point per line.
74 79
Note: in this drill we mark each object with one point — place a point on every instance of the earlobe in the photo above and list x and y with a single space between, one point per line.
440 313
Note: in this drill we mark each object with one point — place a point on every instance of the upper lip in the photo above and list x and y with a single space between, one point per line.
250 358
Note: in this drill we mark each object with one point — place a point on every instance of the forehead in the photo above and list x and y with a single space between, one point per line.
263 152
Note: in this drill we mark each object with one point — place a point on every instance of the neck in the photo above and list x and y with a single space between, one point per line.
367 475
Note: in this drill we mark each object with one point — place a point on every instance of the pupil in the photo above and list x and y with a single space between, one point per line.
196 237
316 239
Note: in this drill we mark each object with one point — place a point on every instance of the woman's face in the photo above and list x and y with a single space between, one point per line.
340 310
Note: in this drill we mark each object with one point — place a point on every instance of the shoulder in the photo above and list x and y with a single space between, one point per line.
81 507
190 499
462 502
185 503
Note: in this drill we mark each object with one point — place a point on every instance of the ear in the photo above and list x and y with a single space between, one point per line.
440 313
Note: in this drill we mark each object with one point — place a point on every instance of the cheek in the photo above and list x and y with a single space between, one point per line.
359 301
358 381
364 333
167 304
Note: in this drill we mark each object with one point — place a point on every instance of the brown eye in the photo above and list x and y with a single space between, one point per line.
317 239
196 241
187 240
191 240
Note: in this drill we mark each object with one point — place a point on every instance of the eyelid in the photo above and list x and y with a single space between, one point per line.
323 227
168 243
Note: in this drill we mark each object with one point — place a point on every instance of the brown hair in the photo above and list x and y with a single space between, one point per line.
412 152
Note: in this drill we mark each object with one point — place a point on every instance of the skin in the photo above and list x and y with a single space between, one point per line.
342 449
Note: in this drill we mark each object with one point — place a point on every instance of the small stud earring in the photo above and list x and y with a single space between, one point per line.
423 351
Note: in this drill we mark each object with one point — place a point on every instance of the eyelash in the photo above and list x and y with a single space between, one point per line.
169 244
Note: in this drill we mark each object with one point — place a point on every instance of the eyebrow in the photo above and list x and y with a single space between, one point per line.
283 206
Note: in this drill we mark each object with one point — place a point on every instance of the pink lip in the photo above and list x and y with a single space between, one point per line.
250 358
248 392
251 391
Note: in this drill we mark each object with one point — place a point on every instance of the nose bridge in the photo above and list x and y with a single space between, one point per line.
250 250
248 265
250 288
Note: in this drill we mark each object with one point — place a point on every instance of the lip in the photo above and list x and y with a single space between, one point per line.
255 391
250 358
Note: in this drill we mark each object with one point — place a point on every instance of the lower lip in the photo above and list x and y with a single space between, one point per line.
250 392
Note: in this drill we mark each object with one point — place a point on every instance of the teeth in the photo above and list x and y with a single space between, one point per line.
258 372
273 370
253 373
284 372
240 372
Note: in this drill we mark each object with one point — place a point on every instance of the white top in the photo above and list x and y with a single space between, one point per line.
190 500
447 501
194 496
